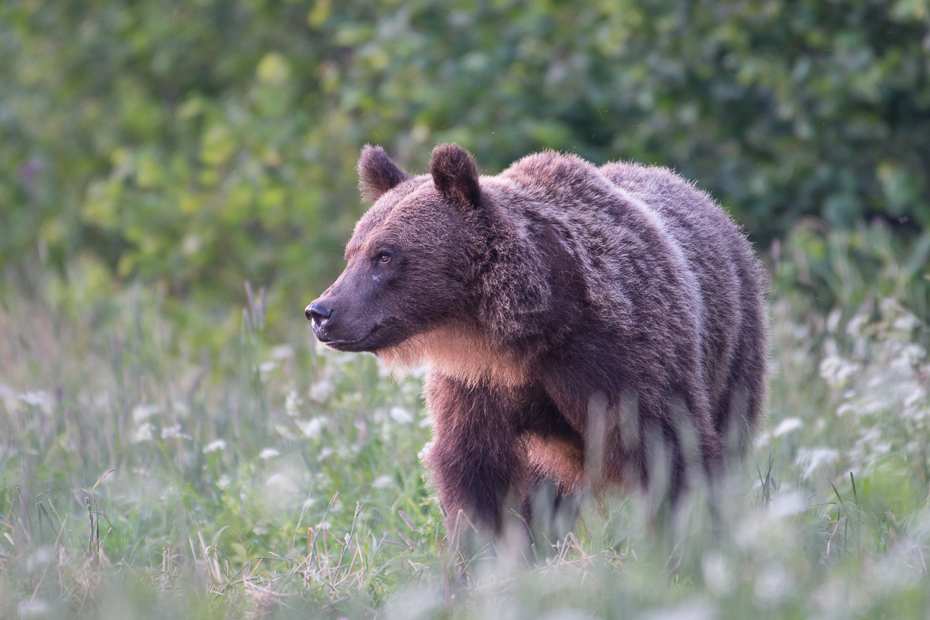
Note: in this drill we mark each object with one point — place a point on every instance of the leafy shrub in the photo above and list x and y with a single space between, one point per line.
202 144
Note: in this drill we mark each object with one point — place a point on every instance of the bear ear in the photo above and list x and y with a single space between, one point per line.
377 173
455 174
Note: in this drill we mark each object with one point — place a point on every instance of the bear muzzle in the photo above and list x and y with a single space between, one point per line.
343 334
319 315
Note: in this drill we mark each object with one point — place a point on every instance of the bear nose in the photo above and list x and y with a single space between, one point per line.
317 312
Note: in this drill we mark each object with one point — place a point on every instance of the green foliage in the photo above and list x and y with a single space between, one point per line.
200 144
848 267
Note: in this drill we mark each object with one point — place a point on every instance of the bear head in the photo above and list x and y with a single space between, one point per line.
434 250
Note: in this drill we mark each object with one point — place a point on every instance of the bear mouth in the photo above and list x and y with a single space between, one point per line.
355 346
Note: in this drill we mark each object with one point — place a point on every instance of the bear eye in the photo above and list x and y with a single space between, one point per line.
384 257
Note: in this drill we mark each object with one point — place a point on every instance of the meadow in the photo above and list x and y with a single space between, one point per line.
142 477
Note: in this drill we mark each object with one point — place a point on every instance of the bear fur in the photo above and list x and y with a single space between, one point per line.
592 327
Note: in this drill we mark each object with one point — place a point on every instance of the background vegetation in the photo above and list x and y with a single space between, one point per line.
173 445
200 144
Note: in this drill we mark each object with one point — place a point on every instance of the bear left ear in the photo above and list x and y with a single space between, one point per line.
377 174
455 174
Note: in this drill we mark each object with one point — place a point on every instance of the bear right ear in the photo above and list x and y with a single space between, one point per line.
455 174
377 173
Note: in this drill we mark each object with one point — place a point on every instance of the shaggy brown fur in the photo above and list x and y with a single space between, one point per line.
595 327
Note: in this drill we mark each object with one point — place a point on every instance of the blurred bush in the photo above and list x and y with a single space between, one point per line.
852 268
200 144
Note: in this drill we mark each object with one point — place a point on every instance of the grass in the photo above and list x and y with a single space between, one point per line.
143 477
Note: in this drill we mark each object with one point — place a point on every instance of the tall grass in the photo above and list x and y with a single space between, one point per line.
142 478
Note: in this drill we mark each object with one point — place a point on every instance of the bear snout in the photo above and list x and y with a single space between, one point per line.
318 313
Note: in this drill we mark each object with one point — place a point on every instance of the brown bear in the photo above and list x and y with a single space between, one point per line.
593 327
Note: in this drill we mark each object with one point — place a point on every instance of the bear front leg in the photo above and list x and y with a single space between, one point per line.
477 459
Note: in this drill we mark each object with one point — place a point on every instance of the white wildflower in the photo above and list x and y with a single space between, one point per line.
847 408
871 443
837 370
173 432
38 398
321 390
285 431
423 454
39 558
906 323
292 404
762 440
854 327
216 445
269 453
888 306
910 356
915 395
310 428
383 482
787 505
144 433
224 482
282 484
877 403
401 415
813 458
142 412
786 426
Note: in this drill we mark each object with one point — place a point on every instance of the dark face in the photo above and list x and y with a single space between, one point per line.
363 309
407 271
